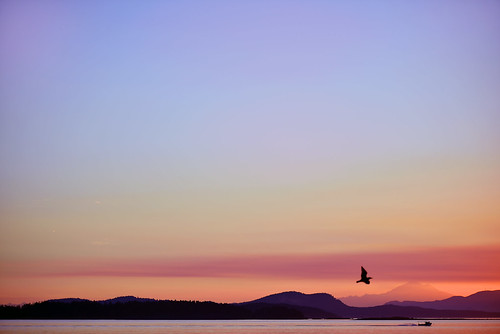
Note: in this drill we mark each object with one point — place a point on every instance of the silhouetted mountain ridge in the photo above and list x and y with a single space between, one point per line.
317 305
320 301
487 301
299 298
285 305
337 308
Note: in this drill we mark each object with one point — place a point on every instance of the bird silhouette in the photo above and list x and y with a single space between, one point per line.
364 278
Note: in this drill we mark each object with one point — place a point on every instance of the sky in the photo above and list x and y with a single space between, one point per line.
225 150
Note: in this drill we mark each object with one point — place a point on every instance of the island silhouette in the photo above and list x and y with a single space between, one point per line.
284 305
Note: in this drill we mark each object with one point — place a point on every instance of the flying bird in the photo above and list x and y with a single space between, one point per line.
364 278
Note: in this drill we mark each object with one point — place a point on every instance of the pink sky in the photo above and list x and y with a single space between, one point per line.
452 269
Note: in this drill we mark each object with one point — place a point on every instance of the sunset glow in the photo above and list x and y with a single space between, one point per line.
225 150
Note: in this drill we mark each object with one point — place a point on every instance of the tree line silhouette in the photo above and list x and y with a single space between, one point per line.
157 310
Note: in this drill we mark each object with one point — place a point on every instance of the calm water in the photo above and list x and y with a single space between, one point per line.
247 326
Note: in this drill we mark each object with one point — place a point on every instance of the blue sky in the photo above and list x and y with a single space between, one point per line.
168 83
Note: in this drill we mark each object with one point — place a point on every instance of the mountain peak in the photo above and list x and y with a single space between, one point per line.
414 291
294 297
321 301
419 286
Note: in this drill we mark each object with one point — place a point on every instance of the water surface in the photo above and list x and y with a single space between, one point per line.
248 326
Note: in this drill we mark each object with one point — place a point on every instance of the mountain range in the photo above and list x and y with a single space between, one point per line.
285 305
488 305
488 301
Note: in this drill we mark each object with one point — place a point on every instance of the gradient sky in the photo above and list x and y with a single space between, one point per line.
224 150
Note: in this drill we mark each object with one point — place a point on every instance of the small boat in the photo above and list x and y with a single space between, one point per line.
427 323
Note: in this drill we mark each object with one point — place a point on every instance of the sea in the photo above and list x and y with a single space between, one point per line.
249 326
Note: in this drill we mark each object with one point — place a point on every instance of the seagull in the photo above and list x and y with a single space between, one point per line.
364 277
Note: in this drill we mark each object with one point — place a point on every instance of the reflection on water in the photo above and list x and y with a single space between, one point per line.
247 326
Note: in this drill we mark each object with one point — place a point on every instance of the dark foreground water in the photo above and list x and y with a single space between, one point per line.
248 326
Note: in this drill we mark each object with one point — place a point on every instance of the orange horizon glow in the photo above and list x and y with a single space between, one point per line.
207 289
459 270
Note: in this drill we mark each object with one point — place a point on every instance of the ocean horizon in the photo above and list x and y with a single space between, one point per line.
351 326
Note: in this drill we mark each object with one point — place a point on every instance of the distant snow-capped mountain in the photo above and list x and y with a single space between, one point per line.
413 291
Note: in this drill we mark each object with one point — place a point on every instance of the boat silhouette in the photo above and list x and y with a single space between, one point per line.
427 323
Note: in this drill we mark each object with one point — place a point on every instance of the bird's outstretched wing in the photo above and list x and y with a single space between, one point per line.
363 273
